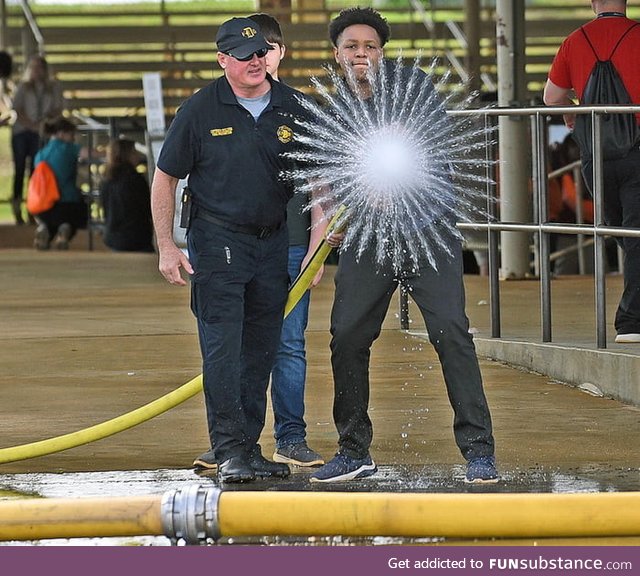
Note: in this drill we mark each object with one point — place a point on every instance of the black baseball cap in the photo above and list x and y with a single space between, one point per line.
240 37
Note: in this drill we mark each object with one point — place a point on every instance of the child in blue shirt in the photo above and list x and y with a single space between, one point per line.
60 223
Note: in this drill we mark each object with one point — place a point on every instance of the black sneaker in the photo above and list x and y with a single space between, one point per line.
298 454
206 461
343 467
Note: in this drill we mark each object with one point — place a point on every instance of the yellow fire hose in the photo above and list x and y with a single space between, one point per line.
36 519
304 279
170 400
195 514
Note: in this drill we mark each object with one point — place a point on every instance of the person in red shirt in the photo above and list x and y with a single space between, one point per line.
568 76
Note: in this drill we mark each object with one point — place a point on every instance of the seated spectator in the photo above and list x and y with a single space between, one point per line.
60 223
126 201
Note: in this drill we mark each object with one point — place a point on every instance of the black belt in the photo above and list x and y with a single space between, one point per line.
260 232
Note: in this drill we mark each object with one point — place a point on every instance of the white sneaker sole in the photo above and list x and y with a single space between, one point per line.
285 460
482 481
277 457
628 338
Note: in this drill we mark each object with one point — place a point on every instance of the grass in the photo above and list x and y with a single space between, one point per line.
6 175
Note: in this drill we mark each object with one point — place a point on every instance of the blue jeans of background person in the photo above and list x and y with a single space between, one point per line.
290 371
238 293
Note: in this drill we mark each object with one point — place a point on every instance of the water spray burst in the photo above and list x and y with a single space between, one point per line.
405 169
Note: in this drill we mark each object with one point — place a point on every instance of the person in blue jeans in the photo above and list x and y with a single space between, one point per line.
290 371
306 230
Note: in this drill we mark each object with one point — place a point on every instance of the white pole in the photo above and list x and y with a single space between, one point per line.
514 168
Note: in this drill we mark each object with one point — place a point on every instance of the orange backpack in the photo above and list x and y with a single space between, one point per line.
43 190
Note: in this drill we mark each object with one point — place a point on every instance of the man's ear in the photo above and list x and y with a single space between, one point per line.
283 49
222 60
335 54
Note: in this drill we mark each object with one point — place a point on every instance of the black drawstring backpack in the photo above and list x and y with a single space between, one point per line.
619 131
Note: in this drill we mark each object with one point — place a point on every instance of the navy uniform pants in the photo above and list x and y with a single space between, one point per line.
238 294
361 302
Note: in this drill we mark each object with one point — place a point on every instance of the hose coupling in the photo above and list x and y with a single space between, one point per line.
191 514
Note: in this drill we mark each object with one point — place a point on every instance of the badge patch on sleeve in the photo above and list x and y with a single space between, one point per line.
285 134
221 131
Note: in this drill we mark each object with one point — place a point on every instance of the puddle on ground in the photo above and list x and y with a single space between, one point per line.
92 484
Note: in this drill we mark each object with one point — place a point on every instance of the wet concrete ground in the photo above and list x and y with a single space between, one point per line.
86 337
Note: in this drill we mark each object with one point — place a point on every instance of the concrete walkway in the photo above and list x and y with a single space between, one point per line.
87 336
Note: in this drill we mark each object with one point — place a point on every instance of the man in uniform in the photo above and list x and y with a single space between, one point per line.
229 139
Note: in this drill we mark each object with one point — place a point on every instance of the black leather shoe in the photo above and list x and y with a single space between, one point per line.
236 469
264 468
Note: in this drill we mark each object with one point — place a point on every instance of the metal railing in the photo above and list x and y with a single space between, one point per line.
542 228
458 34
33 26
90 133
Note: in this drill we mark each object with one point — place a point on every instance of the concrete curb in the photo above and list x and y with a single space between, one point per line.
615 374
599 372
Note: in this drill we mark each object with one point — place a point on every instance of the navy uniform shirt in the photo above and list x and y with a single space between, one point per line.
234 163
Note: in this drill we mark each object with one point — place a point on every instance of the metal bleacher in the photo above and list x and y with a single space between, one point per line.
100 55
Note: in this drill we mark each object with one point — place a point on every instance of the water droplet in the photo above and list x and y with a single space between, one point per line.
394 158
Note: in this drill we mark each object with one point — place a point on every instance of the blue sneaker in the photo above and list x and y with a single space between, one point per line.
343 467
482 470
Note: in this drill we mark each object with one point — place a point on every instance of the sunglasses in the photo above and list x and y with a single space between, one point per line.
259 53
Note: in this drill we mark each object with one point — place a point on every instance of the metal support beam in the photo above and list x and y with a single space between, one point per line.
472 32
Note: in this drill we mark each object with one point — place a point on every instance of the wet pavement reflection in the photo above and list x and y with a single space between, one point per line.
392 479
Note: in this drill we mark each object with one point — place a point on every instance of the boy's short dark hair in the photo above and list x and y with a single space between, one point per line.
367 16
269 27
